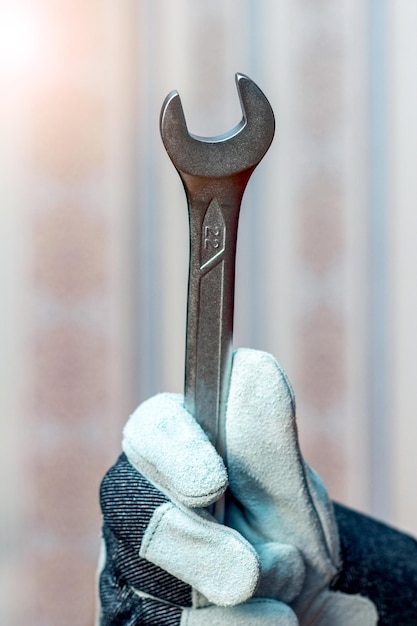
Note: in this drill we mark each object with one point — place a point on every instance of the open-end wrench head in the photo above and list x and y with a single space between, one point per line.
239 150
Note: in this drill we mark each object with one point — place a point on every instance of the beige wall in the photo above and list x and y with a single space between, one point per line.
403 229
67 79
94 248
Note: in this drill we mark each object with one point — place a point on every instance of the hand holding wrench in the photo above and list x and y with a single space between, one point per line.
214 172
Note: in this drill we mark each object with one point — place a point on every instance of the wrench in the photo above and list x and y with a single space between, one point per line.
214 172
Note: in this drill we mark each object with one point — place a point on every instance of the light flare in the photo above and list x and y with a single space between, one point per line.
22 39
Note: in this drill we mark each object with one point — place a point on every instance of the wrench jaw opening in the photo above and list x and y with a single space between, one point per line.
240 149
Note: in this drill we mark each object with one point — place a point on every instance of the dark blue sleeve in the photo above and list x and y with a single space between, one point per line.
379 563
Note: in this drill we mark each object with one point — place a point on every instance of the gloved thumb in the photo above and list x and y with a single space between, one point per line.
267 474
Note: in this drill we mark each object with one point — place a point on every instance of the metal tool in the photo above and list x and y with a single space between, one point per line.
214 172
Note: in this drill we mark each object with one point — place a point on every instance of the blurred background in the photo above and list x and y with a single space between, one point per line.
94 250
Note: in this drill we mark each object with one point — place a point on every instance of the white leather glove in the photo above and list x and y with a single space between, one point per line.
273 561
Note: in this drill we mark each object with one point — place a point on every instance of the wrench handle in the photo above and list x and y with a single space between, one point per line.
213 234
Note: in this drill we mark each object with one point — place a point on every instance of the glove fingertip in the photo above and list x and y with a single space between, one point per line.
262 366
164 443
212 558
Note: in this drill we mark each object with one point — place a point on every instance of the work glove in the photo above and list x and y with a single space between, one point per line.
166 561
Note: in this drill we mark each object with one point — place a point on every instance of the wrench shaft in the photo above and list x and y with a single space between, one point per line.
213 234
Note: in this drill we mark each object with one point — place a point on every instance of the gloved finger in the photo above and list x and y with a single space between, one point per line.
334 607
257 612
143 527
283 571
267 474
121 604
164 442
212 558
